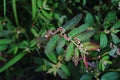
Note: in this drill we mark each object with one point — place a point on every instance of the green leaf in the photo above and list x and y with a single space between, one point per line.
86 76
91 46
43 18
60 45
65 69
34 32
2 58
3 47
5 33
39 69
110 76
47 63
103 40
62 74
108 62
73 22
69 51
110 18
89 19
5 41
86 35
52 57
39 3
117 25
47 15
113 51
50 47
33 43
34 9
100 65
78 30
84 2
15 11
76 56
114 1
12 61
105 58
115 38
103 66
51 44
4 2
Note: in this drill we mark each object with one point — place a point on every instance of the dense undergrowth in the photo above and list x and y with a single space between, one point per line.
59 40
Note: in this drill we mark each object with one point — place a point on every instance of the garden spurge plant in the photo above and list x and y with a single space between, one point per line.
75 51
73 45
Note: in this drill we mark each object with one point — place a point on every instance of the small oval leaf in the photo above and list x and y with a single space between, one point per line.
89 19
115 38
52 57
65 70
78 30
110 76
86 35
73 22
91 46
86 76
51 44
69 51
103 40
60 45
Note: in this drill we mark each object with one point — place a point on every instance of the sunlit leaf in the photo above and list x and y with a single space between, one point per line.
76 56
105 58
91 46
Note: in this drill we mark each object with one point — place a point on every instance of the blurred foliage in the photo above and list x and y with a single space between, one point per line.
59 39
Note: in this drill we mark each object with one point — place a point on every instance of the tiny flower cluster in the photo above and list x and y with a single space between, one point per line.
53 32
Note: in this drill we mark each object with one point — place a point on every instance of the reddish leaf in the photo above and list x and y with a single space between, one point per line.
91 46
85 62
76 56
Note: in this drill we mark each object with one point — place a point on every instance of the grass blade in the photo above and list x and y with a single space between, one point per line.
12 61
34 9
15 12
4 2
